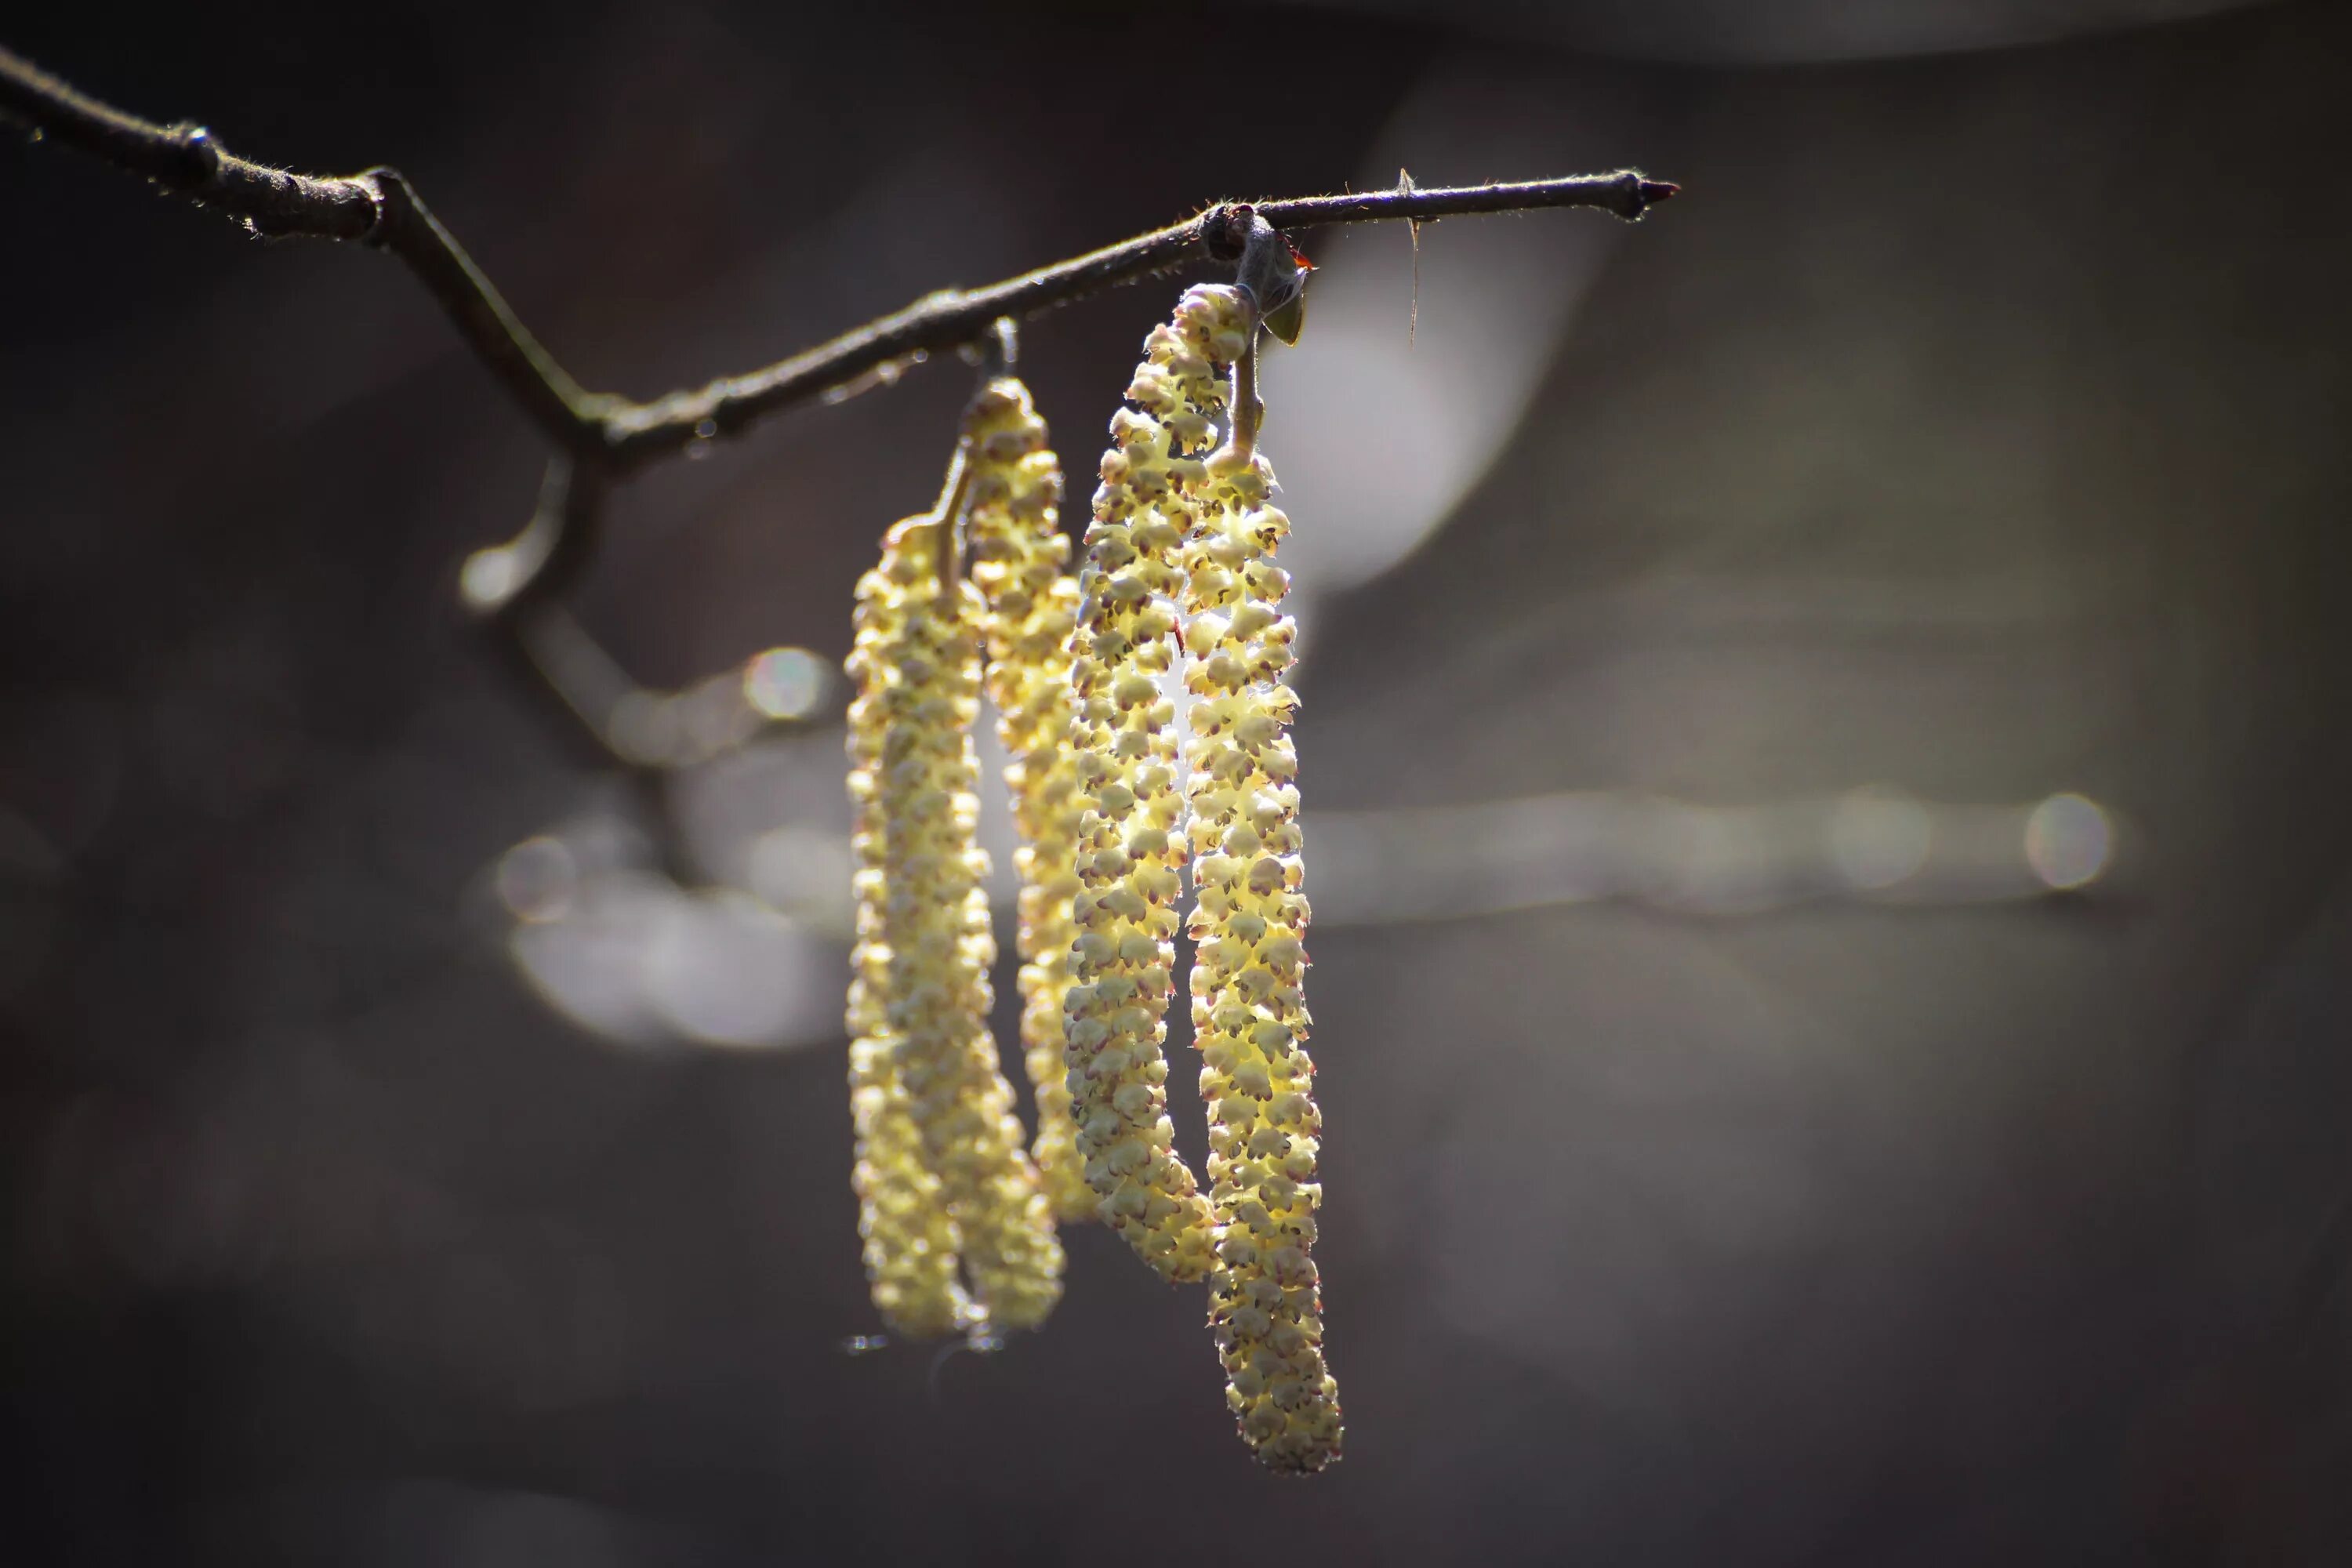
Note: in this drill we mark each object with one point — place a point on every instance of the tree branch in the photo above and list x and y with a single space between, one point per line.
517 588
186 158
952 318
379 208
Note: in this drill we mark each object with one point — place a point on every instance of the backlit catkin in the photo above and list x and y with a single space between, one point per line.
1131 840
1014 493
921 996
1249 931
902 1214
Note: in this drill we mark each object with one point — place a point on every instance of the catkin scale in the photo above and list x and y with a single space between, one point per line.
921 997
1130 841
1249 930
1013 521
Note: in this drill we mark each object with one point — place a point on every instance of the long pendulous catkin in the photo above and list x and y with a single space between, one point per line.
1013 524
925 946
911 1243
1130 844
902 1215
1249 931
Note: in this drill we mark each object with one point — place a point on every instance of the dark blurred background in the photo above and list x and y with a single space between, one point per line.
1825 741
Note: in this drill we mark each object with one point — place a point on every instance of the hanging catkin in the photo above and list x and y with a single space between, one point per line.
1130 843
1249 930
1018 556
911 1243
920 1004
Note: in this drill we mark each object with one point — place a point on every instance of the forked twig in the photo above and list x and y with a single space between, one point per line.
599 436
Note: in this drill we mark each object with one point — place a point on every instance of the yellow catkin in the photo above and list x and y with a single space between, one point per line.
1019 554
925 946
902 1214
1249 930
1130 845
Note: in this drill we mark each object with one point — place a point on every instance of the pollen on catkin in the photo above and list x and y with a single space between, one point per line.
1249 931
1014 493
1130 842
902 1214
925 945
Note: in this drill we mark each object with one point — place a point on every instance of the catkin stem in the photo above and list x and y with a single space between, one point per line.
1248 408
950 510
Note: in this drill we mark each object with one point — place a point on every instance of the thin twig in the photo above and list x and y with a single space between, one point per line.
572 418
517 587
186 158
946 319
380 207
377 207
548 555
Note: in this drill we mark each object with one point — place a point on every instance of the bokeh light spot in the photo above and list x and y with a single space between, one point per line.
2069 841
536 879
785 682
488 577
806 873
724 970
